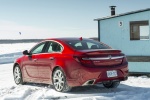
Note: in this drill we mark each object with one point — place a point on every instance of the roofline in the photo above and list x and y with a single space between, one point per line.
123 14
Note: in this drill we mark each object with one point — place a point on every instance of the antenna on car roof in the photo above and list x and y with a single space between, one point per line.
81 38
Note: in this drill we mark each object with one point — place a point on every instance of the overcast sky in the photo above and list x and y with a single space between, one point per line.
58 18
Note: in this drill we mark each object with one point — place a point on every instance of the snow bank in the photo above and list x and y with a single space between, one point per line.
9 52
135 88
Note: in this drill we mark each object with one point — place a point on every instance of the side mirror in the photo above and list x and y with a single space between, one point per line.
26 52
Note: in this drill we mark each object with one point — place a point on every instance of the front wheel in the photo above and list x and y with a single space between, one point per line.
17 75
59 81
111 84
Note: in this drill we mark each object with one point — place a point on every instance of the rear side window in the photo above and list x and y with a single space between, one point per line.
54 47
86 44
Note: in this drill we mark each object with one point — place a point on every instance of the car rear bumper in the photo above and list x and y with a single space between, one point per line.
90 76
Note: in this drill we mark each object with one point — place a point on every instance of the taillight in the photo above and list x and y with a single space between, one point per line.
124 60
86 61
83 60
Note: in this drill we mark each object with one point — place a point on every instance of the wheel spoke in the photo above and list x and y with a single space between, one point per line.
60 86
60 74
56 84
17 79
61 82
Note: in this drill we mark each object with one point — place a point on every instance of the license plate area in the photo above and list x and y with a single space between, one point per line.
112 73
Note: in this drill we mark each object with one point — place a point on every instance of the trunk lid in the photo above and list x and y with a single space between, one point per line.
101 57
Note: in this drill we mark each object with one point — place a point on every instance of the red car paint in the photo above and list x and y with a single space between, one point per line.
79 65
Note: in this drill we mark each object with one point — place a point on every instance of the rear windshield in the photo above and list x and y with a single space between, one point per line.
87 44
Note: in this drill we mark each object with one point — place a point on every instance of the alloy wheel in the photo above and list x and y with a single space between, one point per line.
17 75
58 80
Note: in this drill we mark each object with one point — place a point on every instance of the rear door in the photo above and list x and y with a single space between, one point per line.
47 60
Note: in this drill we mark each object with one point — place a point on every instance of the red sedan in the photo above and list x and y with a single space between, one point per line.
70 62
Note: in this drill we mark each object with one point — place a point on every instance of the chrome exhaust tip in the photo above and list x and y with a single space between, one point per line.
89 82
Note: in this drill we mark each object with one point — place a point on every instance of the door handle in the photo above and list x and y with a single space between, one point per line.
34 59
51 58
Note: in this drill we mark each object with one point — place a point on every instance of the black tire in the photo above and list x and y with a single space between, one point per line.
111 84
18 75
59 81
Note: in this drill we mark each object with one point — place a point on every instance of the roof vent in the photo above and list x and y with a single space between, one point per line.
112 10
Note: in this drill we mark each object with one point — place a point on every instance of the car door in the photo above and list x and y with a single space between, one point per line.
47 60
44 64
30 61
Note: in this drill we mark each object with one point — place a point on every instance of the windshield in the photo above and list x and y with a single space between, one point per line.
87 44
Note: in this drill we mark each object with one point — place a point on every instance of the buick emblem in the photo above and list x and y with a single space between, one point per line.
109 56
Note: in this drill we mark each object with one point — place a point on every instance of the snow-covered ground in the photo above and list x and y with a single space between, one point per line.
16 47
9 52
135 88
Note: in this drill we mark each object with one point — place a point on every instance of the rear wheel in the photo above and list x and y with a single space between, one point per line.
59 81
111 84
17 75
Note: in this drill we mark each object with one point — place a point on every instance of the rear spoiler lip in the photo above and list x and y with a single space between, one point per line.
99 50
104 58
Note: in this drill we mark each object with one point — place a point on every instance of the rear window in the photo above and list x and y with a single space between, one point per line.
87 44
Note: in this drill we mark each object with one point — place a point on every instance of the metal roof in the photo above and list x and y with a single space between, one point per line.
123 14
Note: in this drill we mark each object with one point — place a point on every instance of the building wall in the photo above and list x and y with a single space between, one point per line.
119 37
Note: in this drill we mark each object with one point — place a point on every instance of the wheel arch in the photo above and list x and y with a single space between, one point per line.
56 68
15 64
64 71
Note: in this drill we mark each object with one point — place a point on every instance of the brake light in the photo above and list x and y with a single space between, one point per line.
83 60
86 61
80 39
124 60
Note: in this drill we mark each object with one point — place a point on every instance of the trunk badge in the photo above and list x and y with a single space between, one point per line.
109 57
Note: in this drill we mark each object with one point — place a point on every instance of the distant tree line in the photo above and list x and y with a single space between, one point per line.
8 41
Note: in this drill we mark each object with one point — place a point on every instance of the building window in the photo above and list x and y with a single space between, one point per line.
139 30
